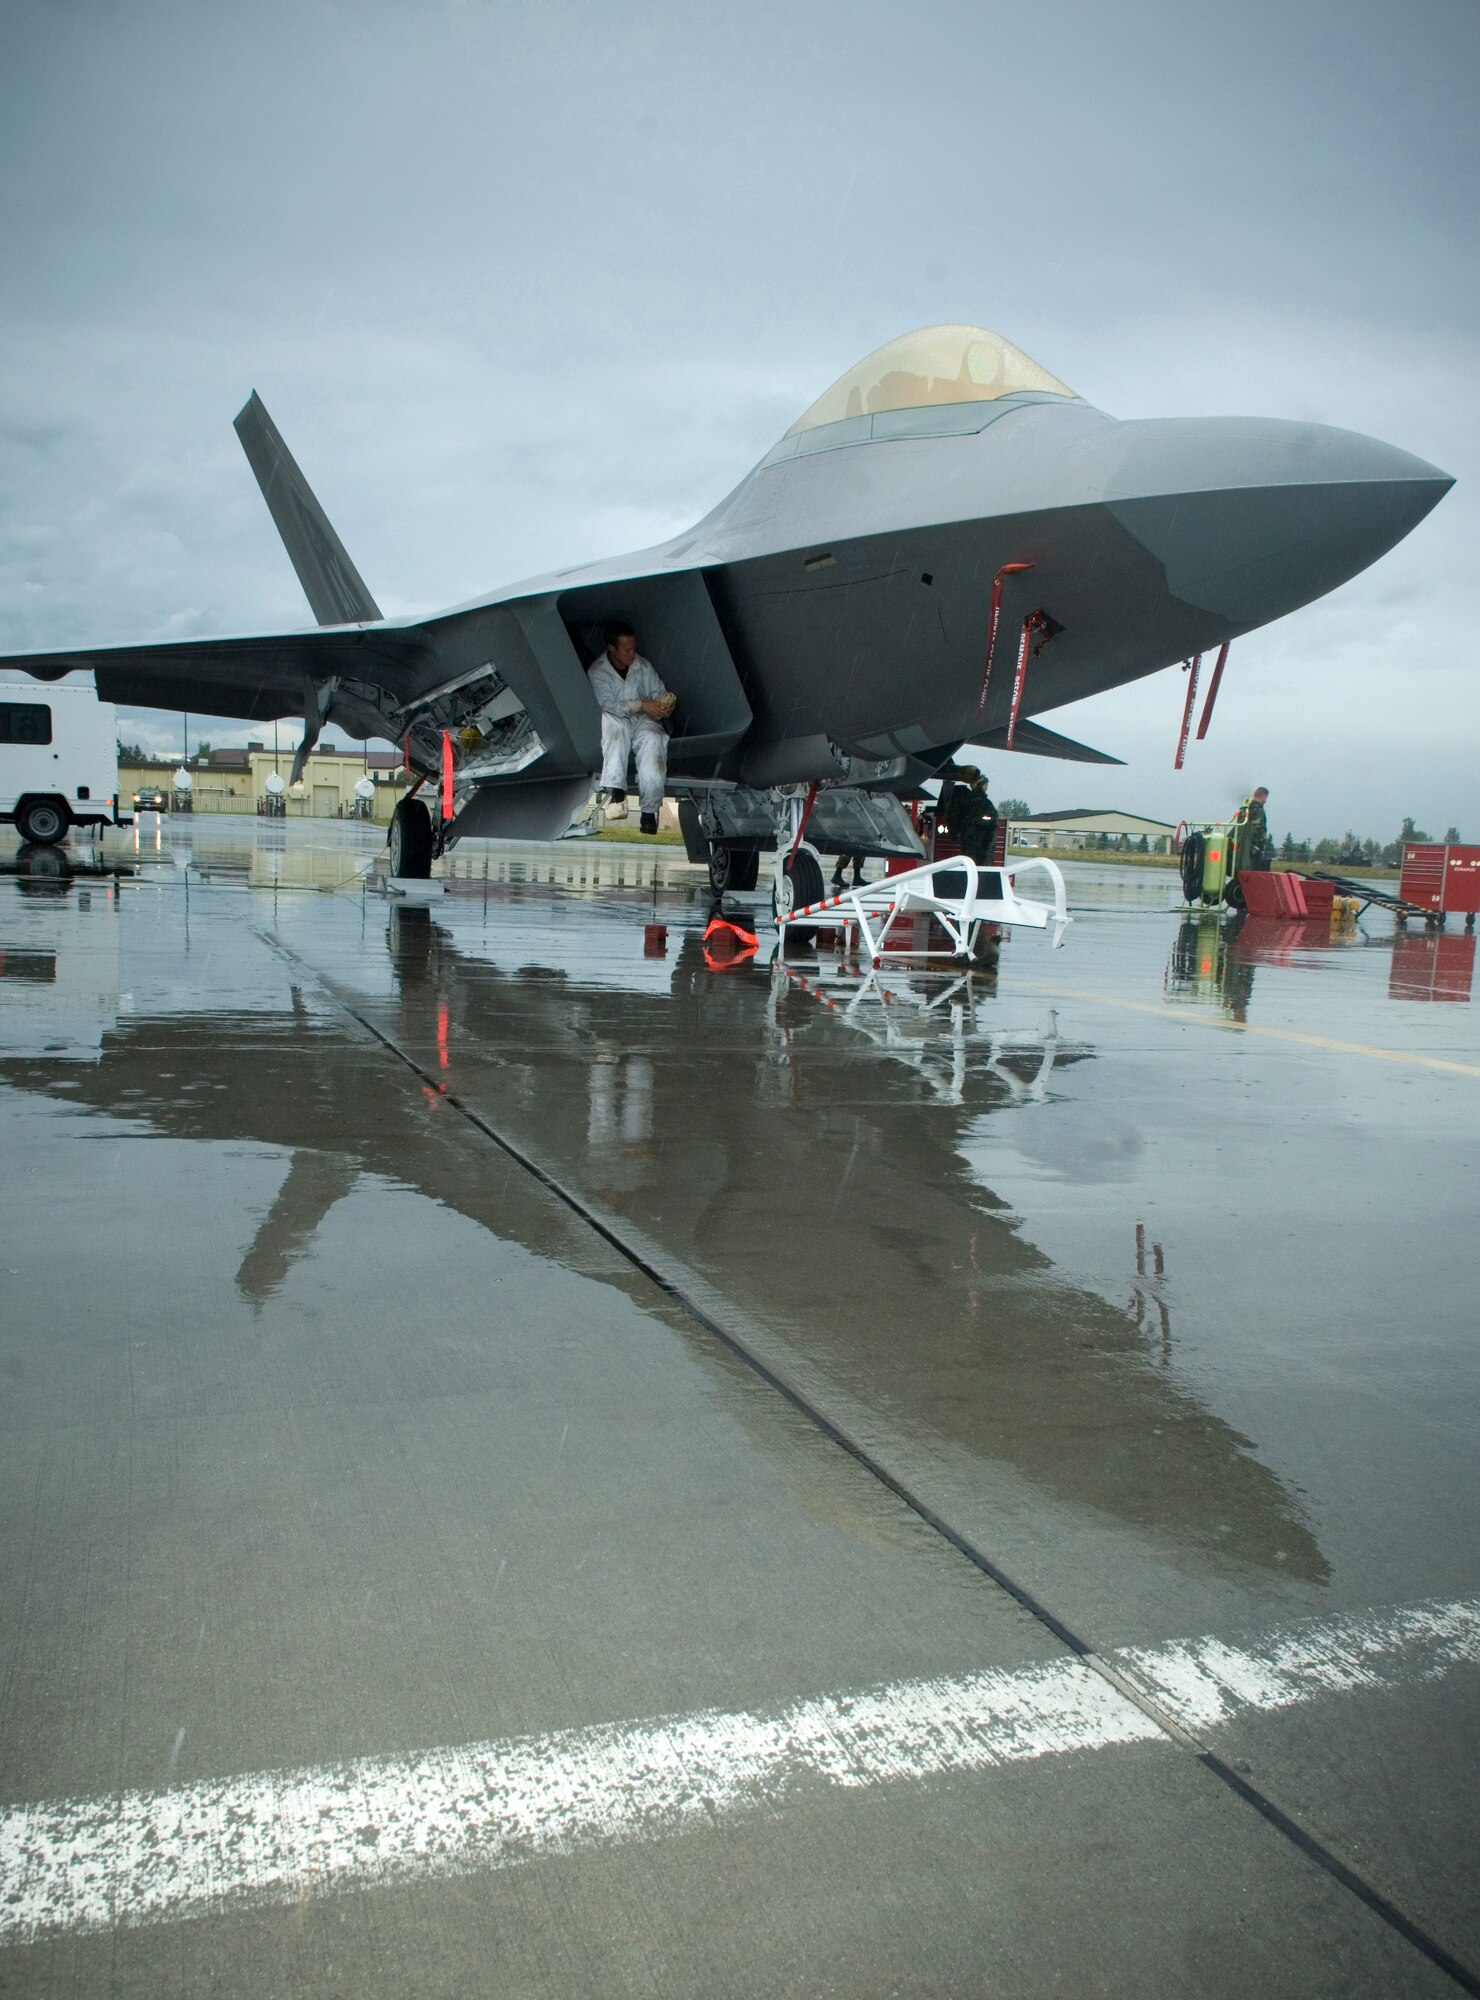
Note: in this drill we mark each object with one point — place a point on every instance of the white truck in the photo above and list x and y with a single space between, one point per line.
58 761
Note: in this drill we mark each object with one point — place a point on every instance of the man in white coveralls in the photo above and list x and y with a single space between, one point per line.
634 706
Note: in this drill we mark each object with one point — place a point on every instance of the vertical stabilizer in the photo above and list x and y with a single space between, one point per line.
333 586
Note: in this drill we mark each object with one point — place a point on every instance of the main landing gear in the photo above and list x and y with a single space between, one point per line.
411 841
733 869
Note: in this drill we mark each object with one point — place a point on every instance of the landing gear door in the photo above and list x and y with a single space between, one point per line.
864 822
525 642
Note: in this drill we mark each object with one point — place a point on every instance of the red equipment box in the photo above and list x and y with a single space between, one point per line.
1270 894
1436 877
1262 897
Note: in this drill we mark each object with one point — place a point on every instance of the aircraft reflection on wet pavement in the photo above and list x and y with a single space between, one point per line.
779 1087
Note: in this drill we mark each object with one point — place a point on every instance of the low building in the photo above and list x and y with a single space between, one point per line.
235 781
1078 828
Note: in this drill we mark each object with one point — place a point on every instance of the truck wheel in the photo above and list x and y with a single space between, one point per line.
411 841
42 822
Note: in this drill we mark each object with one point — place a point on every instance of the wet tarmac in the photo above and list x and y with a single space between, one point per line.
539 1462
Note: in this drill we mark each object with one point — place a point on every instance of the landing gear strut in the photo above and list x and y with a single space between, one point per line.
798 878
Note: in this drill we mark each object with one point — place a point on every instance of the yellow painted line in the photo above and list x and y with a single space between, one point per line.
1190 1020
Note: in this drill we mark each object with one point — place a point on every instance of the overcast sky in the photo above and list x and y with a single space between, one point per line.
524 285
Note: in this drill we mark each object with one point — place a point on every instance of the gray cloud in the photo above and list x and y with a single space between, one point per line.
524 285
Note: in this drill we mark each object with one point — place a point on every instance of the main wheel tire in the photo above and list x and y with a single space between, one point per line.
733 868
42 822
411 841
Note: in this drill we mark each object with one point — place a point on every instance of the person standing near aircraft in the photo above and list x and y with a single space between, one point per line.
1261 847
634 706
965 812
1252 846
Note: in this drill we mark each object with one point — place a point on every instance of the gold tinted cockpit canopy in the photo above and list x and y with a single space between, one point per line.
937 364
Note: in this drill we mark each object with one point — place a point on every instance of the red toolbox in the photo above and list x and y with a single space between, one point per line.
1440 877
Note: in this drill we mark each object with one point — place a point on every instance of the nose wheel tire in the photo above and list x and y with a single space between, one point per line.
411 841
799 887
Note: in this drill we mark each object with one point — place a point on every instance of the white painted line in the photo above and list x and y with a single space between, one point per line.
89 1864
1204 1683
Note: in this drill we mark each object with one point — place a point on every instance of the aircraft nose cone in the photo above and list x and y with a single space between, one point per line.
1251 517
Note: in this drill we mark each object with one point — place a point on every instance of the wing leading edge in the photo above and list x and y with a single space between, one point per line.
256 677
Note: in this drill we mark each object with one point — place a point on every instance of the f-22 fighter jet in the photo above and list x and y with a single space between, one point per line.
946 544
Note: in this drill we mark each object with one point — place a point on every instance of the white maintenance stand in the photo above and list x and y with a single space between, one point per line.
956 894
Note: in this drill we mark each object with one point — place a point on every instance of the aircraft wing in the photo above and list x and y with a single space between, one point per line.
258 677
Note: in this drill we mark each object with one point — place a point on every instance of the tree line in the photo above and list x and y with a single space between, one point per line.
1350 848
1356 852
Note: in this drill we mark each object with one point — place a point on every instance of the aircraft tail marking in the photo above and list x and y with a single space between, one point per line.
334 588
